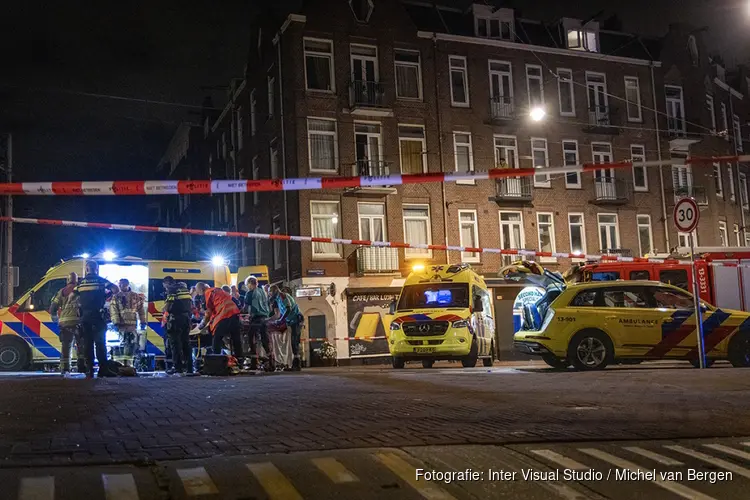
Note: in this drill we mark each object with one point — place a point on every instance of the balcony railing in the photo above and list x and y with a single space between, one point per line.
367 94
687 188
371 168
374 260
676 127
513 188
610 190
501 108
599 116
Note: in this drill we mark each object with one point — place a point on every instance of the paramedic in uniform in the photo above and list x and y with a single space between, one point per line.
178 308
93 291
222 317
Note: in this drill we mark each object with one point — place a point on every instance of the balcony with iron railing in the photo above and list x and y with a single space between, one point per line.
611 191
372 168
685 187
365 94
513 189
376 260
502 108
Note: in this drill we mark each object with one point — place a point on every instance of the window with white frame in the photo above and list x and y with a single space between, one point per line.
372 224
459 81
737 132
724 122
743 190
253 113
640 178
633 98
277 243
711 112
609 233
242 196
717 181
645 238
271 96
683 239
365 71
567 94
274 157
501 89
747 238
256 176
506 151
511 233
577 232
584 40
323 145
731 182
257 248
723 237
240 128
417 230
463 152
598 100
408 74
325 224
319 64
545 229
469 234
736 230
492 27
368 149
570 158
540 158
412 151
675 109
534 85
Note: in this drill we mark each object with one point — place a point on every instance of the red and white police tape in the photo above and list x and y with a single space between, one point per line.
337 241
173 187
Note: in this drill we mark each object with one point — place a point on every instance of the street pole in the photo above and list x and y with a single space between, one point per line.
697 301
9 229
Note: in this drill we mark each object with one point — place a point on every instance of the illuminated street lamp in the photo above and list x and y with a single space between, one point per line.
537 114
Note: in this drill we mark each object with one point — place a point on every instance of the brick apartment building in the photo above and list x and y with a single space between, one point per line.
372 87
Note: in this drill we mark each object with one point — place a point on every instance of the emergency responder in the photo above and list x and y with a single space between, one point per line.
93 291
127 309
223 319
65 310
256 302
178 309
289 312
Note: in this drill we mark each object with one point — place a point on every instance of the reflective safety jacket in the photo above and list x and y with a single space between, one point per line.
220 306
179 303
93 291
126 309
66 302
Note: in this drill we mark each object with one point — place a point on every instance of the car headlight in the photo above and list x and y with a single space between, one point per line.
462 323
395 326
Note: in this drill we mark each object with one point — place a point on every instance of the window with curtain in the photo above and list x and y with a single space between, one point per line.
323 145
408 74
469 234
412 149
319 64
325 224
417 230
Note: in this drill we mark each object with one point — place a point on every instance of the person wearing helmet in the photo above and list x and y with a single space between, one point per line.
66 309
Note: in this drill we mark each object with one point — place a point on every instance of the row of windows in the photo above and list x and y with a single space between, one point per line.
634 297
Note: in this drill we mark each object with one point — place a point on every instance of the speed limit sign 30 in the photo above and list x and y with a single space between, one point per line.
686 215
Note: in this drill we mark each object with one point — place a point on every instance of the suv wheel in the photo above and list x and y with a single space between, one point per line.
555 362
590 350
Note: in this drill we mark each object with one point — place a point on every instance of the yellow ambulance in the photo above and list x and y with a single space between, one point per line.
443 312
28 336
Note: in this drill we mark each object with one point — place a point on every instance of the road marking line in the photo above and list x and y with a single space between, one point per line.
675 488
731 451
652 455
335 470
711 460
566 462
272 480
406 472
119 487
196 482
37 488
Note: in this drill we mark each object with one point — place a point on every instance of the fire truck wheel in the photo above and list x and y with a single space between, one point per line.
697 364
14 354
739 350
590 350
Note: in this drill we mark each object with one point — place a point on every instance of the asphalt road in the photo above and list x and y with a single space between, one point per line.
362 433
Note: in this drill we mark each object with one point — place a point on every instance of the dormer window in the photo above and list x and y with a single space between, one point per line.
584 38
493 23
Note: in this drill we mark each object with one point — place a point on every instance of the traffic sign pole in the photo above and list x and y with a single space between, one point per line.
686 216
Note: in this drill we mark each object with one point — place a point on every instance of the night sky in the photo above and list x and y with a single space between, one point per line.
166 51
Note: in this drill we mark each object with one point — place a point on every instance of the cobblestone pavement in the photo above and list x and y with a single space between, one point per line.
49 421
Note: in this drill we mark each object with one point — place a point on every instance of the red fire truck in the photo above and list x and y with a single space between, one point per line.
723 274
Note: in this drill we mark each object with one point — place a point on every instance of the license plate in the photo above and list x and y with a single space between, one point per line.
424 350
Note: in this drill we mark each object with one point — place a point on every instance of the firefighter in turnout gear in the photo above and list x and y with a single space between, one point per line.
67 310
127 309
178 308
93 291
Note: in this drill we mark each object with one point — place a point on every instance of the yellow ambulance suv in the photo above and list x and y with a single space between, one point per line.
444 312
28 336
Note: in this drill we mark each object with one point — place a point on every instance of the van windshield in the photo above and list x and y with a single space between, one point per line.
434 295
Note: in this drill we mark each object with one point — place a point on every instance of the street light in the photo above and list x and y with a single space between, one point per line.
537 114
